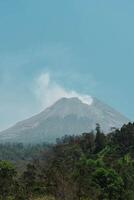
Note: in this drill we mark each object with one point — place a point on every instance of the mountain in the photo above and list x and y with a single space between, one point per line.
66 117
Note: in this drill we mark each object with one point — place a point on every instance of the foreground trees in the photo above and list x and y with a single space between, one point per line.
86 167
110 183
7 179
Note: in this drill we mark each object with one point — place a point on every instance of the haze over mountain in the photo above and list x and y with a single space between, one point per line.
65 117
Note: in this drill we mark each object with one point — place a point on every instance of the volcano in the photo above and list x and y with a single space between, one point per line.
68 116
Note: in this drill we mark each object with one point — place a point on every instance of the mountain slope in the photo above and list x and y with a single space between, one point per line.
66 116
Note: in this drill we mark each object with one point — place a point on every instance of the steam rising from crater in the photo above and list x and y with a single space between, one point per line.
48 92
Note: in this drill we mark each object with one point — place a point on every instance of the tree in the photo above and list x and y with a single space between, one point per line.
82 177
100 140
29 179
87 142
7 175
110 183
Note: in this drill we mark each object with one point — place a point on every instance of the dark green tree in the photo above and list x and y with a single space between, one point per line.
110 183
29 180
100 140
7 176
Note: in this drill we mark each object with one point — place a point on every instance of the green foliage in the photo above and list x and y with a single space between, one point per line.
86 167
7 174
100 140
110 183
16 152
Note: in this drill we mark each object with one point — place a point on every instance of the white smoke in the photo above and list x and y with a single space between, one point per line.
48 92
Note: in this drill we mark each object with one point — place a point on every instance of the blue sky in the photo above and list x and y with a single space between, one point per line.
81 45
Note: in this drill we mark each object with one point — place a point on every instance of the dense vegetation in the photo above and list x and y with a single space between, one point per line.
92 166
17 151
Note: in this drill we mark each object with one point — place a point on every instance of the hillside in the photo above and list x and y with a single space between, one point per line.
66 117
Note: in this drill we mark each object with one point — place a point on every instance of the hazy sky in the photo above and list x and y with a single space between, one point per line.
52 48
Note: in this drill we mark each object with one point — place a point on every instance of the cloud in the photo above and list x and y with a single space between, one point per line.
48 91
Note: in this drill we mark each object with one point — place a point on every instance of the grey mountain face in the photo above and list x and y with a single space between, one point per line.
65 117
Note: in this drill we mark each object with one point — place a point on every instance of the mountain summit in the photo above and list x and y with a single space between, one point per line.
66 117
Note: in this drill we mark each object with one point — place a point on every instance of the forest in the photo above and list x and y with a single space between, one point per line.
92 166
